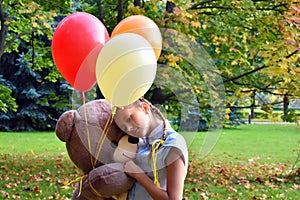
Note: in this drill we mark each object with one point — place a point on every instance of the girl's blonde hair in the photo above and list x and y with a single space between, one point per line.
159 113
157 143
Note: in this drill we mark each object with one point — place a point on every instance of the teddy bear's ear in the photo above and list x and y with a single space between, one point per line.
65 125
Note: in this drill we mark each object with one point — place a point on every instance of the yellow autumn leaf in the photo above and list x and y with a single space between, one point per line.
228 111
217 50
35 25
273 98
287 80
186 14
46 25
39 32
33 5
155 8
172 60
284 67
265 54
215 40
193 39
228 72
234 62
253 52
196 89
244 39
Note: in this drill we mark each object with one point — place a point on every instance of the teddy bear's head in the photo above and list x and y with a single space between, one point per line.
126 149
82 131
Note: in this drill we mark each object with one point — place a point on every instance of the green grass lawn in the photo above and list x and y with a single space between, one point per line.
247 162
34 165
269 143
20 143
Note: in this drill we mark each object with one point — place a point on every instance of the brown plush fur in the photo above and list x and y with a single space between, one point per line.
82 131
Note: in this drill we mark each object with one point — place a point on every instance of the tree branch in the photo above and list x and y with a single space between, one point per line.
218 7
203 3
158 97
274 7
207 13
264 104
290 55
240 76
16 37
195 6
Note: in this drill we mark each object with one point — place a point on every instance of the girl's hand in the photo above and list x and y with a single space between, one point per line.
132 169
175 177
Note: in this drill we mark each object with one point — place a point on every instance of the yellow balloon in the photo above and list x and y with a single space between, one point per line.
125 68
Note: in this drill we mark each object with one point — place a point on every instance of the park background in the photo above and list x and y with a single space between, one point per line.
253 48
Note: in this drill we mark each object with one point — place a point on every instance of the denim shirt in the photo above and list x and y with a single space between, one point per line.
144 159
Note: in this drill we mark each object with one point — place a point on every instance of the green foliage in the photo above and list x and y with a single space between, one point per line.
28 69
6 101
34 97
292 116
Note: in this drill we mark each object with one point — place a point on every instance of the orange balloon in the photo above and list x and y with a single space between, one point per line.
143 26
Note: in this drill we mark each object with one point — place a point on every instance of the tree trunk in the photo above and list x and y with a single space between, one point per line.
252 105
285 104
170 6
157 96
137 3
120 11
100 11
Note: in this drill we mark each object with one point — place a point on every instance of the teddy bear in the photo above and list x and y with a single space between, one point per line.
98 147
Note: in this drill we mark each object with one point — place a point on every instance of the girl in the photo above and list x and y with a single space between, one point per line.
162 160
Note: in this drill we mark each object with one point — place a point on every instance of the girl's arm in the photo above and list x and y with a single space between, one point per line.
175 177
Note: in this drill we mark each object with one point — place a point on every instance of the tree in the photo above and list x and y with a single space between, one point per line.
27 70
34 96
250 42
251 47
253 44
236 37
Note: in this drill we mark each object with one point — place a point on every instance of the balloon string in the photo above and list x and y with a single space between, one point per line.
78 179
95 191
116 197
87 129
105 131
155 146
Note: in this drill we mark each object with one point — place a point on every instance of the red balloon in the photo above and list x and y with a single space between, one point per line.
76 43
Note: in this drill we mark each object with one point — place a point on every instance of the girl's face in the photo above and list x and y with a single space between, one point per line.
134 120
